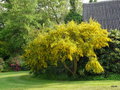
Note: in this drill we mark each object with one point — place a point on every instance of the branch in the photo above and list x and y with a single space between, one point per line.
67 68
56 18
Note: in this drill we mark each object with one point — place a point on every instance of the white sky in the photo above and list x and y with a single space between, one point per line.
86 1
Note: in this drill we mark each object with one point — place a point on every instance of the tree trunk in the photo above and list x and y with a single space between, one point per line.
73 72
75 67
56 17
72 2
68 68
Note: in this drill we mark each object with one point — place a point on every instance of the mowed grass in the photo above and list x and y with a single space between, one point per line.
23 81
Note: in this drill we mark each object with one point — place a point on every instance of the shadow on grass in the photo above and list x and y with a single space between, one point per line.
79 78
24 80
27 81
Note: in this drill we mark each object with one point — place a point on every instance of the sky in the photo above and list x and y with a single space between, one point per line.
86 1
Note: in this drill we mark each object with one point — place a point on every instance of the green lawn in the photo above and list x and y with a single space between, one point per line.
23 81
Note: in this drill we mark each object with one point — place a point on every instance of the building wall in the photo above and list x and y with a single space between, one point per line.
106 13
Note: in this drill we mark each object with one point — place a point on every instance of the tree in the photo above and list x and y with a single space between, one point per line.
93 1
67 42
18 18
54 10
73 14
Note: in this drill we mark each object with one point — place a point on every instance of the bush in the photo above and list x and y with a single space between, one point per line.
67 43
110 56
15 64
3 49
73 16
1 64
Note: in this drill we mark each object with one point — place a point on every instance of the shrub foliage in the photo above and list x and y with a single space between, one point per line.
110 56
68 42
73 14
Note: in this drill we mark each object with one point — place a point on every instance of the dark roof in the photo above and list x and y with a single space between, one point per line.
106 13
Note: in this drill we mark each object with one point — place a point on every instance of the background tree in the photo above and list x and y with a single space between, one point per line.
93 1
73 14
53 10
22 20
18 18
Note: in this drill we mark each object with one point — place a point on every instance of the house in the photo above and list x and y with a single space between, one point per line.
106 13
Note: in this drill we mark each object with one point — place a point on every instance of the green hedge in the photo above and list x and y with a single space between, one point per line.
110 56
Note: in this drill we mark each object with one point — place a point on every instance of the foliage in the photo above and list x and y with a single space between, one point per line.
3 49
15 64
19 18
53 11
63 77
73 13
1 64
67 42
92 1
49 11
73 16
110 56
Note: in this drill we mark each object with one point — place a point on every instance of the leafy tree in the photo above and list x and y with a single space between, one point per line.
3 49
67 42
93 1
73 14
53 10
18 18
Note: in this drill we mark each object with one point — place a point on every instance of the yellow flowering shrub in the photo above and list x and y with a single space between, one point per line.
68 42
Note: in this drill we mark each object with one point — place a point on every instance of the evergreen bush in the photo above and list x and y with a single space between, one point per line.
110 56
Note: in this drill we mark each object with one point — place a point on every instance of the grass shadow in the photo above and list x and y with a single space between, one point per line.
24 80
